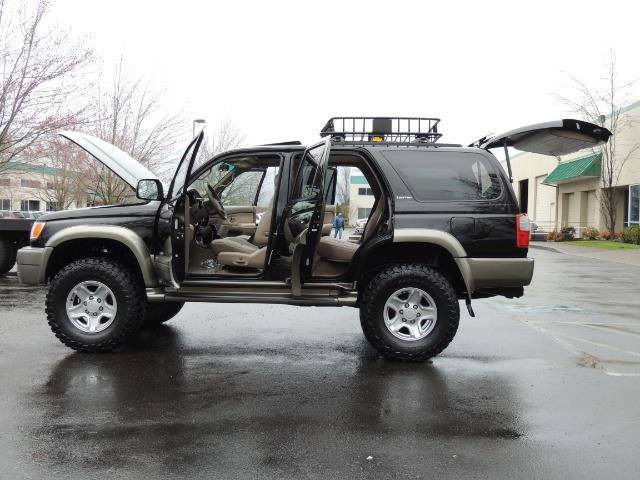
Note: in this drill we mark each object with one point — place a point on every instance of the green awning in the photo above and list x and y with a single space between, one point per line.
575 170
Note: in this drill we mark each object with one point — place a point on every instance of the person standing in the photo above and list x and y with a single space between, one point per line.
338 225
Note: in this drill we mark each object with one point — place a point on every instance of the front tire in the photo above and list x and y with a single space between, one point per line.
409 312
158 313
95 304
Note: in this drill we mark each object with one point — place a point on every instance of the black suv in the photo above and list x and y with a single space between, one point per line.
444 226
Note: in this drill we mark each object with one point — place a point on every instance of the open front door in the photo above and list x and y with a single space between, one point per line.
556 138
174 214
305 212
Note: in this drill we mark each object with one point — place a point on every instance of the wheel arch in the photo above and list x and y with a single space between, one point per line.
73 243
414 245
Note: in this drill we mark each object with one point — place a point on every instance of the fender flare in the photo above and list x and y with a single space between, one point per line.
444 240
123 235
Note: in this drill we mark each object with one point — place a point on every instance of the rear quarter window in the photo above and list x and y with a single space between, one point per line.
445 176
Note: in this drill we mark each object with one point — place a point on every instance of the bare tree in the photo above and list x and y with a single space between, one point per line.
63 175
39 87
130 115
225 137
604 105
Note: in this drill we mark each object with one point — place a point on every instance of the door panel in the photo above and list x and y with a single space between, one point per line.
305 211
176 209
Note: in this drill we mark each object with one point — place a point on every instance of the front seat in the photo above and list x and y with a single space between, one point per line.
341 251
240 252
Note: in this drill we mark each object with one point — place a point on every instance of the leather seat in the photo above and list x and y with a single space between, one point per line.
241 252
343 251
336 250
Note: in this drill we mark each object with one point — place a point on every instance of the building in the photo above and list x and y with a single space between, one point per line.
565 192
26 187
361 197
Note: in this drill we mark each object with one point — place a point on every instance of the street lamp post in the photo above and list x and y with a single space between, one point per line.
197 120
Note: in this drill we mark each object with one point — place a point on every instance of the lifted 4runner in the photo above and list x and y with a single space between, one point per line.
444 226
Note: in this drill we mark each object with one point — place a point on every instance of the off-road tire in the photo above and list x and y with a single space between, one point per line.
391 279
125 285
8 252
158 313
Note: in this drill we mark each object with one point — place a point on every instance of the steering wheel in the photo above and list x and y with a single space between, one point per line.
215 203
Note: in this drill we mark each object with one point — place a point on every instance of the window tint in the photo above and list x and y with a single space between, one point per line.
436 176
309 181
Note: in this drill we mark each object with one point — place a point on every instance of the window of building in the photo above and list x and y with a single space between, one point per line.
634 204
446 176
5 204
365 191
30 205
30 183
5 182
363 213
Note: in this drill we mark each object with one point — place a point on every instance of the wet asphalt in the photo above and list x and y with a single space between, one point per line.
547 386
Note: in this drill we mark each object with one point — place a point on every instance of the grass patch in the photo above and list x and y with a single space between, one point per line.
605 244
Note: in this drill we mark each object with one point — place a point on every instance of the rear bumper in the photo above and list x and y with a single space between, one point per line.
32 264
488 273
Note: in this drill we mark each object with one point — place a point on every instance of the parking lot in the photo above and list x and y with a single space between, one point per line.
546 386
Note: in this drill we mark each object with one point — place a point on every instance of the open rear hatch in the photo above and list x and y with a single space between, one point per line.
556 138
559 137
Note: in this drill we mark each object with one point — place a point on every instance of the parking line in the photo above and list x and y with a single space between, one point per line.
599 344
600 365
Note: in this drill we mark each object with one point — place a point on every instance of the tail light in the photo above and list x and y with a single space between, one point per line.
523 230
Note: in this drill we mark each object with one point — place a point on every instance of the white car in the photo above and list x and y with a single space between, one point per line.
360 224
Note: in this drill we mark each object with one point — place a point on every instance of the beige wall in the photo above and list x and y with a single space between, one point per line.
625 141
358 201
534 167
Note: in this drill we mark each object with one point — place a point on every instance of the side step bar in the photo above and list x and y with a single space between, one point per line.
284 297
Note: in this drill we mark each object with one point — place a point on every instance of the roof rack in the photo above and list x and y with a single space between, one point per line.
382 129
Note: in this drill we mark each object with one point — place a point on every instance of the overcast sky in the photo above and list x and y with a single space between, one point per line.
280 69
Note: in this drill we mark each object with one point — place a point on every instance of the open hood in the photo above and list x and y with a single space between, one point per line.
122 164
555 138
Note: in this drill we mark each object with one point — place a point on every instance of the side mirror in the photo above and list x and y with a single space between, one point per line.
149 189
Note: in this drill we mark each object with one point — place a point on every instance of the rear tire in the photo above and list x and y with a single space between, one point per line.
81 323
8 252
424 289
158 313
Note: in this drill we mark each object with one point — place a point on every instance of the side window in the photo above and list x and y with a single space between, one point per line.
308 184
242 190
180 177
488 184
306 180
446 176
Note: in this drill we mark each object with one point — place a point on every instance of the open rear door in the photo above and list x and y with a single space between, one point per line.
305 212
556 138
